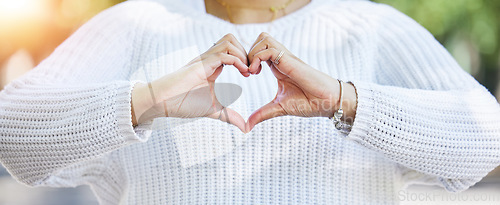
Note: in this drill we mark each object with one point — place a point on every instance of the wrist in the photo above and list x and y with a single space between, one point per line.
144 102
349 103
140 102
343 117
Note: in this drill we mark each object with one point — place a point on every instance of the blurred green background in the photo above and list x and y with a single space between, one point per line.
469 29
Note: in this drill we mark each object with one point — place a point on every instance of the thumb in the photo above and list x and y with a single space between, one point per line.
230 116
268 111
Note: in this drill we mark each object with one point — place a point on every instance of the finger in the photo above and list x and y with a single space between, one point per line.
288 65
257 47
232 39
264 44
259 69
230 116
229 48
259 39
268 111
216 73
267 55
216 60
267 42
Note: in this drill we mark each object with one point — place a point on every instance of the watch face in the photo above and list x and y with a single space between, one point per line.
338 125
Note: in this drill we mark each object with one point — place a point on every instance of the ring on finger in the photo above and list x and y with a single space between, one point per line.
277 60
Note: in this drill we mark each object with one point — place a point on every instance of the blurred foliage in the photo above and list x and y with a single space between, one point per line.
469 29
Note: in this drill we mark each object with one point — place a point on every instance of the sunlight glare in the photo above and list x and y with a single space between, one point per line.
12 9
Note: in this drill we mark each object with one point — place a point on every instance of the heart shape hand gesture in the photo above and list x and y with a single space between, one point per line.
189 92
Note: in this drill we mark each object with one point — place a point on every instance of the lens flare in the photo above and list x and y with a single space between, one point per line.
14 9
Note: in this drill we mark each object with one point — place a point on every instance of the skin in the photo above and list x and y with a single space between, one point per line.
302 90
189 92
255 11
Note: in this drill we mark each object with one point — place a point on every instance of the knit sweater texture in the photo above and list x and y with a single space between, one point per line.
420 118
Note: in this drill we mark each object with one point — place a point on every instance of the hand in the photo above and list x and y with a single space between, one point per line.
189 92
302 90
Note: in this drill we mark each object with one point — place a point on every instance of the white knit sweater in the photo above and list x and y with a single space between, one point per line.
420 118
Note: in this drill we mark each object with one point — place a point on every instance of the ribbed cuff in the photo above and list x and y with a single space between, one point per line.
140 133
364 112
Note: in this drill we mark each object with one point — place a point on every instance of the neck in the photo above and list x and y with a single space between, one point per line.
256 11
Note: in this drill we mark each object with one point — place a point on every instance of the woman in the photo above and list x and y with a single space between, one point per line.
85 115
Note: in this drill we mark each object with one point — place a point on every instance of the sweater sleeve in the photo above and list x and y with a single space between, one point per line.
424 112
75 106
